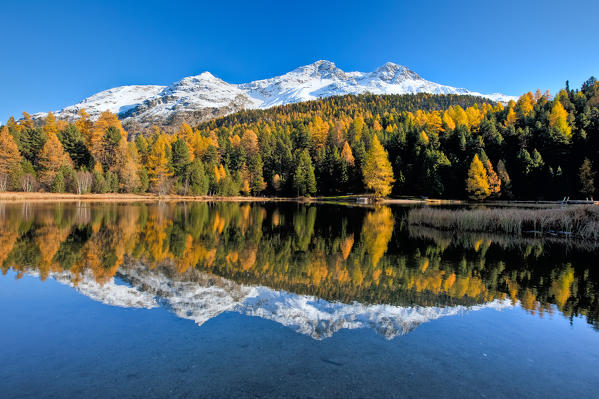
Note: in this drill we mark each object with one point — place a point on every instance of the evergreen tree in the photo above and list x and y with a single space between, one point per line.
504 177
180 159
586 177
304 181
198 180
74 144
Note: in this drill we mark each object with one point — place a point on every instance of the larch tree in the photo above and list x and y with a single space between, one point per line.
52 158
50 126
377 171
159 171
10 157
347 155
249 142
96 137
477 183
85 125
511 117
558 120
494 180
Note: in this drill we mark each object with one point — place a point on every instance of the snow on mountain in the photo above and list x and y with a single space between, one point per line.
202 97
201 296
117 100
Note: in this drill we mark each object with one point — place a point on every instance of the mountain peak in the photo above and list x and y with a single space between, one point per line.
320 68
390 71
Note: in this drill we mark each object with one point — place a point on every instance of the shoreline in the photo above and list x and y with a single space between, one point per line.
12 196
122 197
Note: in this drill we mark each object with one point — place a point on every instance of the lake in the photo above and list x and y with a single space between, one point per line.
186 300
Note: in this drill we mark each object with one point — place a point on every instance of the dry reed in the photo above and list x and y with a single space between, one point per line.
576 221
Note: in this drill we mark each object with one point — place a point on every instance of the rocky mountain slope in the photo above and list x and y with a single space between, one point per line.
198 98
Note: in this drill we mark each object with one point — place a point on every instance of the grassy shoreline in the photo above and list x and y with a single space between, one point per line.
579 221
126 197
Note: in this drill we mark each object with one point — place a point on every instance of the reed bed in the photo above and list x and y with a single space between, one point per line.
575 221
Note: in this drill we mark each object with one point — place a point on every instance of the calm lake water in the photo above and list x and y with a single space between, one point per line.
287 300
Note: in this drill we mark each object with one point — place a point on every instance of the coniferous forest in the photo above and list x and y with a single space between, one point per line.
444 146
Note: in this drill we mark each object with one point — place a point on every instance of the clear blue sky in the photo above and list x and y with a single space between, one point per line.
57 53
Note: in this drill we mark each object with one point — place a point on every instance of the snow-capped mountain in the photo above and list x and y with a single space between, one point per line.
200 297
202 97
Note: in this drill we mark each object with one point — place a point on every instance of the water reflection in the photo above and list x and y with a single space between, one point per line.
316 269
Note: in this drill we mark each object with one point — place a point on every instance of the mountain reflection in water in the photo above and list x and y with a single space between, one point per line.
314 268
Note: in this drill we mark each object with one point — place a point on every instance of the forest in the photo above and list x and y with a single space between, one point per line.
443 146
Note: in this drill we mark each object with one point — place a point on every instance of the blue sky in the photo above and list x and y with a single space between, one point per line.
57 53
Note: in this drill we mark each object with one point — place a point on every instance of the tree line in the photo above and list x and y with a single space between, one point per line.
539 147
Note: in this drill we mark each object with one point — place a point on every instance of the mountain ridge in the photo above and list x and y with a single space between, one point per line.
202 97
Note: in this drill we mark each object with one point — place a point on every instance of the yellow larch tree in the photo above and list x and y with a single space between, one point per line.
85 125
159 172
347 154
50 124
558 119
377 170
52 158
510 119
494 180
477 183
10 157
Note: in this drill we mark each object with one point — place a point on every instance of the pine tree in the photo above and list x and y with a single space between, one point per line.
506 182
377 170
74 144
477 183
304 181
198 180
586 177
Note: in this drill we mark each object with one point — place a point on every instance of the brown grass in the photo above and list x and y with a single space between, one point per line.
118 197
576 221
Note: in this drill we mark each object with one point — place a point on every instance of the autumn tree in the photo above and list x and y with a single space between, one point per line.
52 158
494 180
50 124
159 171
558 120
10 158
477 183
377 171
